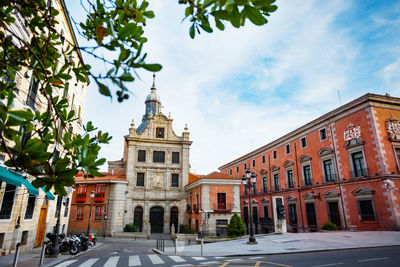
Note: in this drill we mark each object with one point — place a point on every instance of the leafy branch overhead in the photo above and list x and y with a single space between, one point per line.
45 137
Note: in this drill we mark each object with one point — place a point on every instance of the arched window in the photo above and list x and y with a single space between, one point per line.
174 218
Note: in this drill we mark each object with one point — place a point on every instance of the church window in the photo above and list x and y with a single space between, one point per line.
175 180
175 157
158 156
140 179
160 132
142 155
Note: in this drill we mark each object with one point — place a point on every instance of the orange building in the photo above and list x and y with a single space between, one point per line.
212 199
103 188
342 167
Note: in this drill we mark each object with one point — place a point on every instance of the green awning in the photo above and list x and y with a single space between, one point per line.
17 180
48 194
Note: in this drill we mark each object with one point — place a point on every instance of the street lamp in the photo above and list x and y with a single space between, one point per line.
248 180
90 213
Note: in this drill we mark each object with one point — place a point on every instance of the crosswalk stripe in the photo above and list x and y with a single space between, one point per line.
255 258
111 262
89 262
210 262
134 261
177 259
233 260
155 259
65 263
219 257
199 258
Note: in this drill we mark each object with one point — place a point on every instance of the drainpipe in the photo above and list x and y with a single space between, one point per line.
340 180
270 195
298 185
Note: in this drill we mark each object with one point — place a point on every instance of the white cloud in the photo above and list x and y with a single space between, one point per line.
291 68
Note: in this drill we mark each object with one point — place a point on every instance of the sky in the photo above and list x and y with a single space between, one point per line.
240 89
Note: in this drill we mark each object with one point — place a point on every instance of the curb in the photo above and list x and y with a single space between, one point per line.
158 251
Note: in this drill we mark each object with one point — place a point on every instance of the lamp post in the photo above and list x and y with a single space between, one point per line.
90 212
248 180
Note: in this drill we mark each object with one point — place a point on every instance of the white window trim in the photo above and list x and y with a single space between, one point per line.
395 155
366 197
327 157
287 177
290 149
274 152
301 143
273 181
353 150
307 163
12 211
326 133
26 207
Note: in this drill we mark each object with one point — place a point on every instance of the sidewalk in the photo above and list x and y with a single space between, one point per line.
292 243
32 258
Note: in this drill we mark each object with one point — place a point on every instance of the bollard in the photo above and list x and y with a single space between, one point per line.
202 248
42 253
16 254
176 240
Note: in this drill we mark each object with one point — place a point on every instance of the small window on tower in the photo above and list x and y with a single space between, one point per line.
160 132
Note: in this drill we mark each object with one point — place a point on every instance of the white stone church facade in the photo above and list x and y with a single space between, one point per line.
156 166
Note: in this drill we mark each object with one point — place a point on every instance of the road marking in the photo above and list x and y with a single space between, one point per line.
223 265
234 260
210 262
255 258
65 263
111 262
177 259
181 265
89 262
155 259
220 257
134 261
374 259
328 264
199 258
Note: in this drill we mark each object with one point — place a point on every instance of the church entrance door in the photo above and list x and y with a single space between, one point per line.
157 219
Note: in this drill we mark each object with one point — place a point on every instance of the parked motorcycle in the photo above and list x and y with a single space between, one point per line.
92 239
84 244
74 245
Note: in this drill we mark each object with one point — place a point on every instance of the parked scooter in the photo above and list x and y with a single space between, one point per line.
92 239
84 244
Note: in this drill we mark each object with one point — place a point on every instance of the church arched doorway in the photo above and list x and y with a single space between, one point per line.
138 218
174 218
157 219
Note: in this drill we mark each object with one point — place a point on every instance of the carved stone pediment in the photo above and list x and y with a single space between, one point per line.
264 200
245 202
308 195
291 198
353 143
275 168
331 193
305 158
263 171
254 201
288 163
325 151
362 190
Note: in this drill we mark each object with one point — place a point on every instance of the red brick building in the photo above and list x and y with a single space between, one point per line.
342 167
81 202
212 199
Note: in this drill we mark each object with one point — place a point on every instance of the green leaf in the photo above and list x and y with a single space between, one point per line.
103 89
255 15
219 24
206 27
152 67
192 32
188 11
235 17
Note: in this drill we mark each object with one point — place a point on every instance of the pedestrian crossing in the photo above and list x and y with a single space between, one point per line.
141 260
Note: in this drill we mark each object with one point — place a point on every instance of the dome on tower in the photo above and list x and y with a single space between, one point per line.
152 97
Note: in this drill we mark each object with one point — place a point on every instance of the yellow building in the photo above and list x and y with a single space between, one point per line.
27 213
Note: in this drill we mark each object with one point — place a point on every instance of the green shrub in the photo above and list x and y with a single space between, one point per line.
187 229
329 226
130 227
181 228
235 226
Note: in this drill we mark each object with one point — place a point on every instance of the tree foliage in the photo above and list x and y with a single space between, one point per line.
235 226
41 142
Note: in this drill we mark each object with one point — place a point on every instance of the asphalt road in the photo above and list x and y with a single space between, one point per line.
120 252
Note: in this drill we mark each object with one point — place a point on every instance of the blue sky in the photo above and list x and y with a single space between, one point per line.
240 89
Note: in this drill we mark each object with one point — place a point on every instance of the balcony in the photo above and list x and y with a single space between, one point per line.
222 207
195 208
81 197
99 197
189 209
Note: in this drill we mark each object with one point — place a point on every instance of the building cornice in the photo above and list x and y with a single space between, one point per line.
102 182
157 141
212 182
360 103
